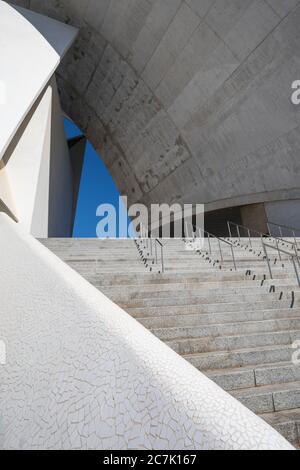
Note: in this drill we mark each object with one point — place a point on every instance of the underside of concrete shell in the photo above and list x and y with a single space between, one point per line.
187 100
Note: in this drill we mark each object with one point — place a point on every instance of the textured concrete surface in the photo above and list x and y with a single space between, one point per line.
187 100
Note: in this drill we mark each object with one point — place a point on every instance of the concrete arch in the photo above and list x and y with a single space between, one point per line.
187 101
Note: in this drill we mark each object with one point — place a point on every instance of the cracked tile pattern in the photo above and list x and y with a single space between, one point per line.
82 374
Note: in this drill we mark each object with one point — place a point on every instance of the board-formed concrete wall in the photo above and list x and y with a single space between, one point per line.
187 100
80 373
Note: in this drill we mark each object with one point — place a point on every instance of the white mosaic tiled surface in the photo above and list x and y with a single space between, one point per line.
82 374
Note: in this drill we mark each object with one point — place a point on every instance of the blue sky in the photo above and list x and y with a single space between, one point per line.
96 187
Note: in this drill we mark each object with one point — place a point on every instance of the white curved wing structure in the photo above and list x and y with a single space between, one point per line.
28 61
34 159
77 372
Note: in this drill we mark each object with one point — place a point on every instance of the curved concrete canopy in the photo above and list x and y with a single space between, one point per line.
187 100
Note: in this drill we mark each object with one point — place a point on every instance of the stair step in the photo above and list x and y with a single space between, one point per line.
286 423
209 275
187 320
177 291
203 299
160 311
270 398
240 358
255 375
232 343
149 288
227 329
277 373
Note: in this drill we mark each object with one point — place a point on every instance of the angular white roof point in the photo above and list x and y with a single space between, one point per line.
58 35
31 48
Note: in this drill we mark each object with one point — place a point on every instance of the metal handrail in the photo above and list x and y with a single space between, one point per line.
293 230
158 242
149 244
292 255
250 230
209 236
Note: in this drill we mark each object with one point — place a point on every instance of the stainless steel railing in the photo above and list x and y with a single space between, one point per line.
292 256
250 231
161 246
153 245
264 236
204 234
282 228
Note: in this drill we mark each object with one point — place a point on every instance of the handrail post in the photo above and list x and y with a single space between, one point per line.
295 239
296 271
233 257
209 244
238 231
221 254
161 254
229 229
296 253
147 237
141 230
162 259
267 258
278 250
269 229
280 231
249 235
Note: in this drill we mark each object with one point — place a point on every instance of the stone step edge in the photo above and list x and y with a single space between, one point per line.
220 325
237 351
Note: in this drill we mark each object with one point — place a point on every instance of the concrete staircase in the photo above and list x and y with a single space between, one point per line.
237 327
